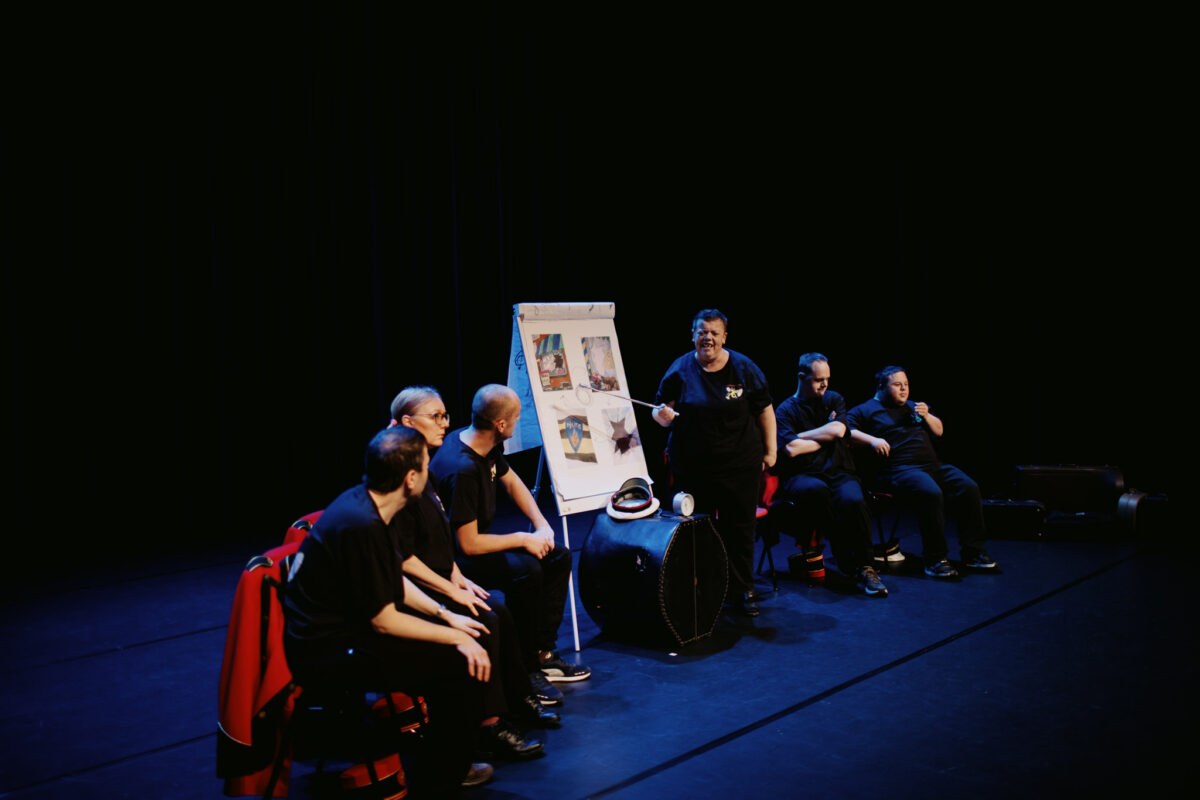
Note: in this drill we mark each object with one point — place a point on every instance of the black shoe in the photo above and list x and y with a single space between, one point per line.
477 775
501 740
749 605
545 692
941 569
977 559
535 715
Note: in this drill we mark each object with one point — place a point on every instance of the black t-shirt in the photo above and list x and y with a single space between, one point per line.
427 534
796 415
467 481
717 428
346 571
904 430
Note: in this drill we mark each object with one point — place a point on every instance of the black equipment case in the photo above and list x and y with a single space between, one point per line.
660 578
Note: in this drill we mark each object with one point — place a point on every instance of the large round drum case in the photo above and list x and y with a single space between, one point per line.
656 577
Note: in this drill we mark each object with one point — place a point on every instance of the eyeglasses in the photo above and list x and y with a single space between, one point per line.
437 416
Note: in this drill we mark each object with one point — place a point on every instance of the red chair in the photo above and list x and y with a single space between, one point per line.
256 696
261 707
409 713
300 528
765 530
776 516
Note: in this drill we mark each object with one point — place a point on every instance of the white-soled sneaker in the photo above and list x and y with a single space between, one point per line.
888 553
868 581
558 671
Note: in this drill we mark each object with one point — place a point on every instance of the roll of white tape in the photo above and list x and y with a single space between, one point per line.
684 504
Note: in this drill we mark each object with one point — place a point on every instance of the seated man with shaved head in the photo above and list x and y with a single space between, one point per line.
816 472
527 567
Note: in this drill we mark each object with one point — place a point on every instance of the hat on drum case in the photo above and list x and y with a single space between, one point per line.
633 500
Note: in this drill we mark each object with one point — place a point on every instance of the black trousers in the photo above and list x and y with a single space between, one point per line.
374 662
837 507
535 591
732 500
510 680
932 489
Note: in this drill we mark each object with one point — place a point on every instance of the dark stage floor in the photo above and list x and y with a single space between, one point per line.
1072 670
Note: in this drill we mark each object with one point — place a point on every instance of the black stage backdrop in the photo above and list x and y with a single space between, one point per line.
225 250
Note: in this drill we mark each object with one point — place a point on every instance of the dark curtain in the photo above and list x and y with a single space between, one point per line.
225 249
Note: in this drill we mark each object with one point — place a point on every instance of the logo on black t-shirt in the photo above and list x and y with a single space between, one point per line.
733 391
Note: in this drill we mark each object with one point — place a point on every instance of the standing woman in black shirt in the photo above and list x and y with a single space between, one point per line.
718 406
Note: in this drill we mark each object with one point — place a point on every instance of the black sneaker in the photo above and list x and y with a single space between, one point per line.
868 581
501 740
543 690
477 775
978 559
559 671
941 569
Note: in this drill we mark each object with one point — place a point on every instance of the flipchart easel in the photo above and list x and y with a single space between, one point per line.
590 442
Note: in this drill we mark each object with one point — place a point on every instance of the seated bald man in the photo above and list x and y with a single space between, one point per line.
816 471
526 566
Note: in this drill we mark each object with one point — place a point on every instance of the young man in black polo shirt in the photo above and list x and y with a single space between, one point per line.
901 432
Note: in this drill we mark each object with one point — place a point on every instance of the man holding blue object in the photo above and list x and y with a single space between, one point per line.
901 432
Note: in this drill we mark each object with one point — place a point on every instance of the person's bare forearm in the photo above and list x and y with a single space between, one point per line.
829 432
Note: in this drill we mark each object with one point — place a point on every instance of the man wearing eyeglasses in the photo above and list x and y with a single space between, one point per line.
526 566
